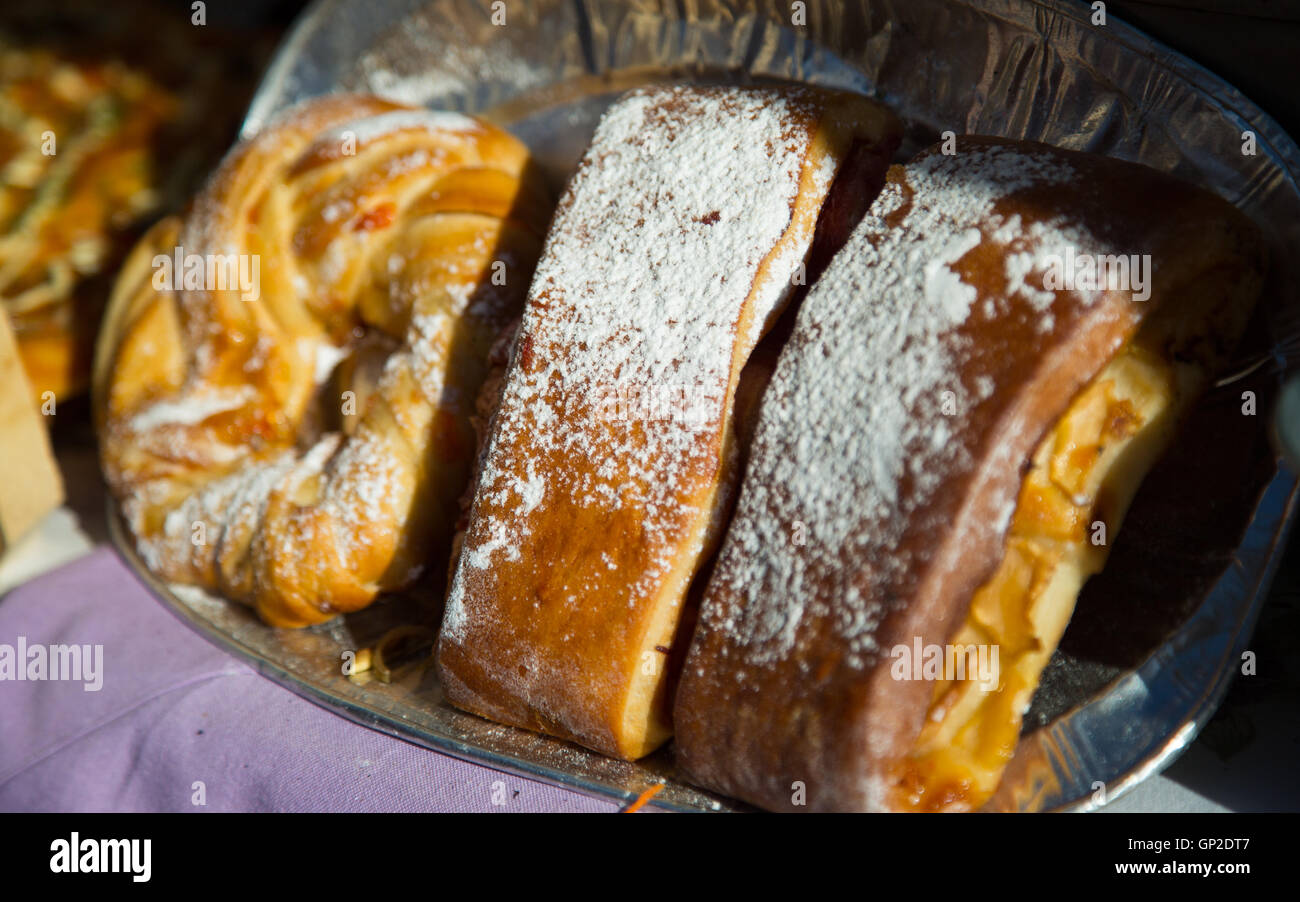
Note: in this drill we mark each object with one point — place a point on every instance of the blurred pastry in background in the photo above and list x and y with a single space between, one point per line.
108 117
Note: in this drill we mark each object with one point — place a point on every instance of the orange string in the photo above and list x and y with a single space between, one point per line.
643 798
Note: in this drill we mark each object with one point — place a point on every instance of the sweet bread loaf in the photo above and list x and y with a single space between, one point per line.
300 444
947 449
692 219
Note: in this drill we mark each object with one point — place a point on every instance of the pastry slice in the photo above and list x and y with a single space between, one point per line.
694 217
945 453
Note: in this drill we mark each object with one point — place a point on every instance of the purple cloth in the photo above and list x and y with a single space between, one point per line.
175 710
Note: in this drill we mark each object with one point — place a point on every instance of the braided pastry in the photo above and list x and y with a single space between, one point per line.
300 444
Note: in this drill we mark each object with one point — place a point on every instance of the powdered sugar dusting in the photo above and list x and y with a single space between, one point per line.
190 409
854 433
683 195
363 131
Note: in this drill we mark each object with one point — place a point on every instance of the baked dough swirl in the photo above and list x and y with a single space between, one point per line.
300 444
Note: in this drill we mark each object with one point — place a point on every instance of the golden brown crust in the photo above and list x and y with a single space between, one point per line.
674 248
245 460
788 679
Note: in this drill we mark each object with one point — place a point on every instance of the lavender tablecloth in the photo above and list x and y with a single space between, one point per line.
174 712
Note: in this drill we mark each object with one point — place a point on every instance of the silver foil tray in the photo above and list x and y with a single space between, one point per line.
1035 70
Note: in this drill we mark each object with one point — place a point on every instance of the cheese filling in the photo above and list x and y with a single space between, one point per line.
1083 476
